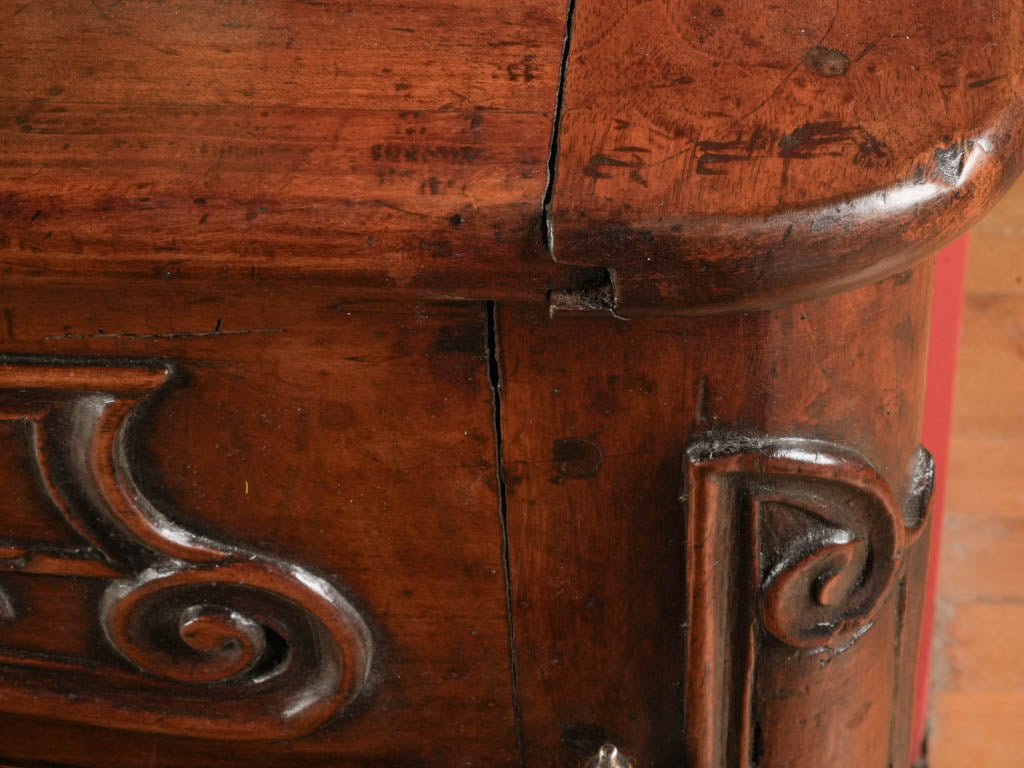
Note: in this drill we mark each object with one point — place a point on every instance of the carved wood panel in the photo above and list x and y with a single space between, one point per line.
215 641
790 542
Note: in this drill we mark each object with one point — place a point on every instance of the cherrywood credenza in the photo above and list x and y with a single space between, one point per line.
436 383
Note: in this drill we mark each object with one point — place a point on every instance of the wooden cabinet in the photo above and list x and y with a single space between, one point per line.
475 383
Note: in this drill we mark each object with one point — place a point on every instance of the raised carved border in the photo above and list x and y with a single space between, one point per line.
224 642
796 540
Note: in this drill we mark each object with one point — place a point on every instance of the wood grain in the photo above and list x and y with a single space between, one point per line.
592 460
710 153
710 159
398 145
282 436
301 209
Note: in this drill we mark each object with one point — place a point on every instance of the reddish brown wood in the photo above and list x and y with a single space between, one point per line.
279 433
599 545
179 606
394 147
732 155
476 383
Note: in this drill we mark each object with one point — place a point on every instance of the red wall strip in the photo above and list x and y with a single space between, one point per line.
947 309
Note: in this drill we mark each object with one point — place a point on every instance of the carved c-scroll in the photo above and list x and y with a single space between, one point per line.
799 538
248 646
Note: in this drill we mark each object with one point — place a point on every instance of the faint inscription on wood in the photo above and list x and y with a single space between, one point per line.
216 641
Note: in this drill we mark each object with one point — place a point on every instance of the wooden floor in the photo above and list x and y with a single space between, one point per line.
978 678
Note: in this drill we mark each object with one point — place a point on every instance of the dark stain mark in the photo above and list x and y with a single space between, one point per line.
681 80
456 220
827 62
809 141
461 340
635 164
825 139
594 166
575 457
411 153
902 278
869 151
523 70
717 12
906 333
985 81
200 201
9 322
712 154
814 140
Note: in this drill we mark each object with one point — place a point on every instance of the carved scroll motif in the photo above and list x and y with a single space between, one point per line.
789 540
218 641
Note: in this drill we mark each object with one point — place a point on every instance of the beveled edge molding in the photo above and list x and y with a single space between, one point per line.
795 539
247 646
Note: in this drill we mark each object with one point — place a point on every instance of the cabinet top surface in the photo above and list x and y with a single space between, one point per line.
407 146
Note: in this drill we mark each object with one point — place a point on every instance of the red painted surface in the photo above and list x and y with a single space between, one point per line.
947 309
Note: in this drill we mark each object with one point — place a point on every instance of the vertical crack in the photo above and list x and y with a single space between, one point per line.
547 225
494 376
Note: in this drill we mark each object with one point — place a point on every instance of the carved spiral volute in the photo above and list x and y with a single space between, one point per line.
225 642
826 529
792 548
247 625
828 555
